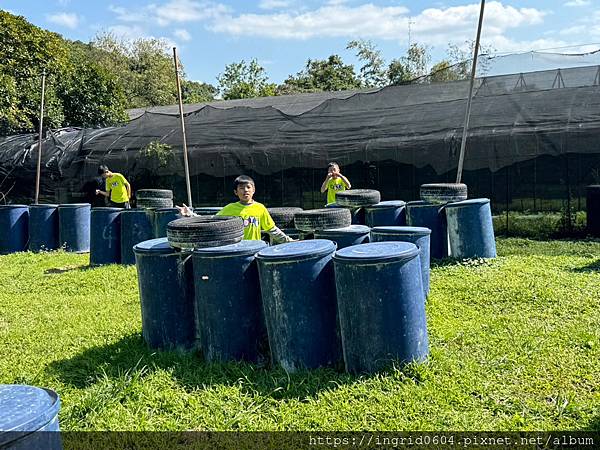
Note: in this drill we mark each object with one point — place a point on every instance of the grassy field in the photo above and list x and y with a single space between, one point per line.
515 345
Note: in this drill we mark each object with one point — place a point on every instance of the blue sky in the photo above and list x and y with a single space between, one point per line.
283 34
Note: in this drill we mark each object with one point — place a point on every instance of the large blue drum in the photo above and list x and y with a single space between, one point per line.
420 236
162 216
14 228
381 305
428 215
137 225
166 284
43 227
74 226
298 293
29 418
470 229
105 240
228 303
391 212
345 237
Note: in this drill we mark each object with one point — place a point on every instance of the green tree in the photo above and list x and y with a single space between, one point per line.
409 68
196 92
373 72
322 75
241 80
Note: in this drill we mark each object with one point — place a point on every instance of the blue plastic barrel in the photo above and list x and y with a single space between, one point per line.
74 226
137 225
470 229
43 227
162 216
419 236
207 210
228 304
391 212
27 416
428 215
166 285
105 239
14 228
345 237
381 305
298 293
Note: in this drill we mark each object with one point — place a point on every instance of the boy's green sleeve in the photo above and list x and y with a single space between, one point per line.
266 221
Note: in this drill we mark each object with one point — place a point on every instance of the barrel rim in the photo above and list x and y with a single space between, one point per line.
156 246
44 205
30 422
313 248
106 208
74 205
468 202
242 248
351 229
401 230
405 251
388 204
15 206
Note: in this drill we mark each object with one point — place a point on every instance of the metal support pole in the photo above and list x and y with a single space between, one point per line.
185 152
463 143
39 160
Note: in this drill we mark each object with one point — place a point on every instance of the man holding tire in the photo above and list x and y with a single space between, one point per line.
118 189
254 214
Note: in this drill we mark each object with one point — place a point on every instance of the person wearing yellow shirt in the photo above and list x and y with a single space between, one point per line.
254 214
334 182
118 189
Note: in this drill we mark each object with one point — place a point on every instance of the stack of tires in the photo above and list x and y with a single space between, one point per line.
356 200
284 220
154 198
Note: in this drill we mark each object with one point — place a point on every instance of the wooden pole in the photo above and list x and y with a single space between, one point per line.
185 152
39 160
463 142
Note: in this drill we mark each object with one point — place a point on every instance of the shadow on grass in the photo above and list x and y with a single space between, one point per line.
592 267
132 354
594 424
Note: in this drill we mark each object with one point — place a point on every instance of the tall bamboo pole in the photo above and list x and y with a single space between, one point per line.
463 142
39 160
185 152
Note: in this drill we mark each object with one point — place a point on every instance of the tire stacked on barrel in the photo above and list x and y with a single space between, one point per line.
205 231
322 219
443 192
356 198
154 198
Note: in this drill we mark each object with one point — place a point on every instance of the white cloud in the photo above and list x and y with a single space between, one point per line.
64 2
433 25
67 20
274 4
182 34
578 3
174 11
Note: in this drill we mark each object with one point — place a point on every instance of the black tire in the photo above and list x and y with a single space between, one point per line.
154 202
355 198
322 219
443 192
204 231
154 193
284 217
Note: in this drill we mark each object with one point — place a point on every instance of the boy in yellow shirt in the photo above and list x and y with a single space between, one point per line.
334 182
255 215
118 189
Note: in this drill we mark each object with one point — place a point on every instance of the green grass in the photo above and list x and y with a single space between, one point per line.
515 345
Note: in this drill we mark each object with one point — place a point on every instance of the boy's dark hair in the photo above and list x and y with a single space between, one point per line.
102 169
332 164
242 179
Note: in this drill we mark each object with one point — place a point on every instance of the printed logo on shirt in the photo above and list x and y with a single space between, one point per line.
251 221
338 187
115 184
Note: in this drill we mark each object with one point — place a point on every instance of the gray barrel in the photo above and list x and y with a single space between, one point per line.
137 225
74 226
419 236
345 237
391 212
381 305
162 217
14 228
29 418
228 304
298 293
470 229
105 239
432 216
43 227
166 285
